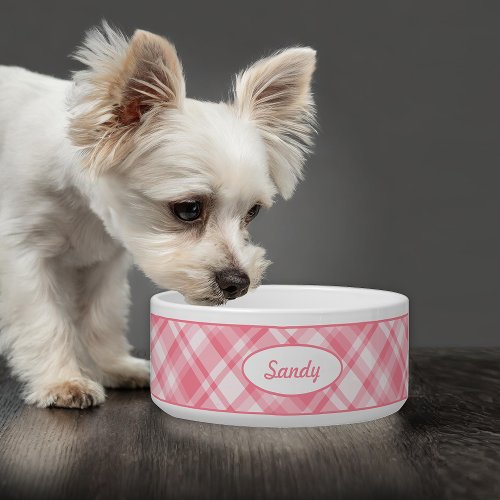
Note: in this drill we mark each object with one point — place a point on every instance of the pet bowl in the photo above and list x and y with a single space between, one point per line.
281 356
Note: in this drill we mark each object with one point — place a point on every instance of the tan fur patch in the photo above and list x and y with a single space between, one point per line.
119 97
74 394
275 93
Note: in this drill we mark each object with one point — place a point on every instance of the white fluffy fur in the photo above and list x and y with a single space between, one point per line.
88 168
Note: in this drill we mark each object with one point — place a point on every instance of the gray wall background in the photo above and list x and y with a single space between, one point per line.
402 191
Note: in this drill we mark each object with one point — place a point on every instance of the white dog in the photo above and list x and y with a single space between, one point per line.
116 165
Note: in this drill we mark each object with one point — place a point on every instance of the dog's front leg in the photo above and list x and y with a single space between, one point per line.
104 311
39 331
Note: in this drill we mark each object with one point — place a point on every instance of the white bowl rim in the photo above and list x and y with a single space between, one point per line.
396 306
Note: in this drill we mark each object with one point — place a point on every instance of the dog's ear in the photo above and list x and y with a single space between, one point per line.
275 93
127 84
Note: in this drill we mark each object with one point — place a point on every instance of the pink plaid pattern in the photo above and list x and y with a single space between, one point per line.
199 365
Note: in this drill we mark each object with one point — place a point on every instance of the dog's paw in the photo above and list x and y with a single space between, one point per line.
73 393
132 373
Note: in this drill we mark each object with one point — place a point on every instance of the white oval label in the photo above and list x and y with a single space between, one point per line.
292 369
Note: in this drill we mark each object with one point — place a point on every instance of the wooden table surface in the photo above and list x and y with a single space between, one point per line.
444 443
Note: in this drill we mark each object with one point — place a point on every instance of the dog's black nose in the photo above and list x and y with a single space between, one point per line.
233 283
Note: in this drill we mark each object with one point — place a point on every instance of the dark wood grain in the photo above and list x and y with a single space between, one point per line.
444 443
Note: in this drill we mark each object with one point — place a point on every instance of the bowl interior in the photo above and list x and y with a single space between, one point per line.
306 298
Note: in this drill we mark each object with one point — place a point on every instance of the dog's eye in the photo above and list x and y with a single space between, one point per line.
252 213
187 210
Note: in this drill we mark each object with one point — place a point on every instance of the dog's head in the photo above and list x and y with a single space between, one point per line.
179 180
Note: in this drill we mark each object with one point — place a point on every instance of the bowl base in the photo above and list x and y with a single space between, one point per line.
256 420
